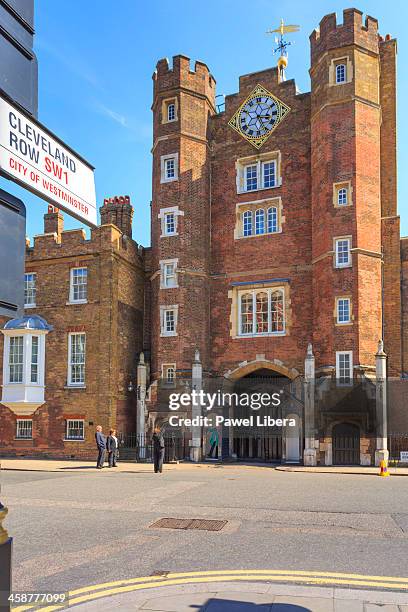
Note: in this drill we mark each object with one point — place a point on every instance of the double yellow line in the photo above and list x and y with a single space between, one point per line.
107 589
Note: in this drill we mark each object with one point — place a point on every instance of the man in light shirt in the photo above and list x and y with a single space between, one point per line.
112 447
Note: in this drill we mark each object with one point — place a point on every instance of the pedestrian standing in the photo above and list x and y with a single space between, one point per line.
158 450
112 448
101 445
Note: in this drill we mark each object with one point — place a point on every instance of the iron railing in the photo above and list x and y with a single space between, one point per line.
139 447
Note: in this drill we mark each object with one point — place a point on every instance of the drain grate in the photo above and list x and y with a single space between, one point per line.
178 523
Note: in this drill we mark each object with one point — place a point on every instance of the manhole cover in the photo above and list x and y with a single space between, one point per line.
177 523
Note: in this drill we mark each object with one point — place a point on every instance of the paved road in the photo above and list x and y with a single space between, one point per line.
73 530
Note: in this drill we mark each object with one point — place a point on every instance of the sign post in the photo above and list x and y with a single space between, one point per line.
12 251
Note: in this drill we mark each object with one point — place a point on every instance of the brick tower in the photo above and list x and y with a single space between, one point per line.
346 189
180 215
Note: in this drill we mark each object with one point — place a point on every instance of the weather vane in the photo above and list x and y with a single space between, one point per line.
281 46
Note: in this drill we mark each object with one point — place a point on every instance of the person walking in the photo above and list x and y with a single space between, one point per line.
101 445
158 450
112 448
213 442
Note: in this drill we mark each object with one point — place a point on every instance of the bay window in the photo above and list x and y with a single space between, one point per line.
261 311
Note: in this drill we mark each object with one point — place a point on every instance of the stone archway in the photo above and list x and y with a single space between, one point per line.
248 367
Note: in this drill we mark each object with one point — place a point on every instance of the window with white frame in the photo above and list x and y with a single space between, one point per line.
342 249
168 320
169 168
24 429
344 368
261 311
342 197
16 359
171 111
168 273
259 175
30 289
341 73
75 429
258 221
78 285
343 310
169 220
76 358
35 343
342 194
169 374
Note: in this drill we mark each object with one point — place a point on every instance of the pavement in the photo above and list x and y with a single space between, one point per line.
225 593
54 465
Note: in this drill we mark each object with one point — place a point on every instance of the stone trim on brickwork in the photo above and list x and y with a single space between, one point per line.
254 205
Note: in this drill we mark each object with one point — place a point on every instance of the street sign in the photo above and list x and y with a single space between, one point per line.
12 252
38 160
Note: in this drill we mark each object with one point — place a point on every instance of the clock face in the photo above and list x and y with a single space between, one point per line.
258 116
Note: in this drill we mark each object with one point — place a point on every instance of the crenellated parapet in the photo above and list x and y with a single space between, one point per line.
198 80
353 31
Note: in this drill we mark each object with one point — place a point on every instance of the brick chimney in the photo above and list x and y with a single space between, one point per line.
119 211
53 221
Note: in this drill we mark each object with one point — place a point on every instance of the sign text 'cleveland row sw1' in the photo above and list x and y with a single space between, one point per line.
31 156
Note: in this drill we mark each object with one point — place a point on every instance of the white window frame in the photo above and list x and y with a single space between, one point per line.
269 291
21 428
67 428
72 299
250 209
163 168
70 382
164 278
162 216
339 382
33 290
336 69
336 242
171 105
259 161
343 299
163 314
166 103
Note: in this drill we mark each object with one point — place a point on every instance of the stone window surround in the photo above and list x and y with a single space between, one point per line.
338 353
335 313
258 158
332 70
162 216
164 109
163 310
164 368
253 205
234 295
350 263
163 159
336 188
163 262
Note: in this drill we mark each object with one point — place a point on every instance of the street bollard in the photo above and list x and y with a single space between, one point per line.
384 469
6 545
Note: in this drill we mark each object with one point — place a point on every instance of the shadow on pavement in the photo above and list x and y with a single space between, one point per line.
227 605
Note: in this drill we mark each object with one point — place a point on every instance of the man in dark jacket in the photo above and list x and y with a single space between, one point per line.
101 445
112 448
158 450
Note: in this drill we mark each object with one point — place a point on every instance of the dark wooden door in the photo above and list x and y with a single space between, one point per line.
346 444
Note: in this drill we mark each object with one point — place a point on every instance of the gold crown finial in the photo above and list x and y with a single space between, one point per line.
281 46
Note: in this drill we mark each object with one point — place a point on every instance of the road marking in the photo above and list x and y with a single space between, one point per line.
107 589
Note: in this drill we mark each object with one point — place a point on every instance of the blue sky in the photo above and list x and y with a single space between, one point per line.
96 59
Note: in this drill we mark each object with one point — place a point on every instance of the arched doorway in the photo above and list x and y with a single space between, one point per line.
346 444
259 441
